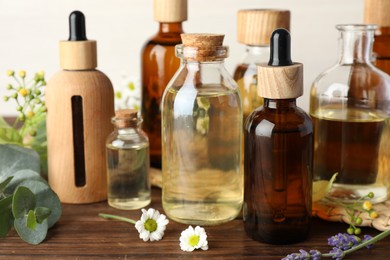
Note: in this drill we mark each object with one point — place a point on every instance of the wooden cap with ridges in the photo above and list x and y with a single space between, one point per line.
280 82
254 26
377 12
170 11
206 45
78 55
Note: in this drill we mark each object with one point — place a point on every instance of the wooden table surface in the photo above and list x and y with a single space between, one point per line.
81 234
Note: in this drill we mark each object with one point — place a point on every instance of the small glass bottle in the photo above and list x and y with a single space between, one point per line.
127 151
350 108
158 65
201 131
378 12
278 153
254 27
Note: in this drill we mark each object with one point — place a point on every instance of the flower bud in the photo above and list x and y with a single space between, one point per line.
14 95
6 98
10 73
33 132
22 117
37 92
30 114
9 86
19 108
23 92
367 205
373 214
370 195
22 74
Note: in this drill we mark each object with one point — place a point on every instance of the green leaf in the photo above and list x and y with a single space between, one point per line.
6 219
31 220
31 236
42 213
14 158
6 203
39 144
5 183
22 202
19 177
45 197
8 134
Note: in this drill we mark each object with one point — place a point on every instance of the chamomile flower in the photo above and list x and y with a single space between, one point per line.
152 225
192 239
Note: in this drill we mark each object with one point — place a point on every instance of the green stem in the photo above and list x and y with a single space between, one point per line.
365 243
109 216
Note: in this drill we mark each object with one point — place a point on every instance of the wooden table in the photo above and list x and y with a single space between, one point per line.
81 234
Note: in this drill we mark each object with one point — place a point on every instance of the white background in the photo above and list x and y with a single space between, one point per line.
30 31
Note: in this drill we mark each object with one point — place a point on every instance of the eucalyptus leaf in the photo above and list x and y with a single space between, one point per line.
31 236
45 197
6 203
42 213
22 202
14 158
31 220
21 176
6 219
5 183
39 144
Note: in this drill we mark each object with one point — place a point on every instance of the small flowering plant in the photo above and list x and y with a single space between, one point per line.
193 238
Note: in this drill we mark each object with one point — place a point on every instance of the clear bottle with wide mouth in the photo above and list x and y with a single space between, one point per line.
350 108
201 132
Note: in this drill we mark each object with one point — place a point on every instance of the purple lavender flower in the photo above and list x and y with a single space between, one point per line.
304 255
343 241
337 253
315 254
366 238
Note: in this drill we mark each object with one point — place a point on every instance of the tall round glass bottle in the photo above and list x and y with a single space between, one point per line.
278 153
254 27
158 65
201 131
378 12
350 107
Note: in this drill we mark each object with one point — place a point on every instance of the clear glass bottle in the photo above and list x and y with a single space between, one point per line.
350 108
254 27
127 151
278 153
201 131
158 65
377 12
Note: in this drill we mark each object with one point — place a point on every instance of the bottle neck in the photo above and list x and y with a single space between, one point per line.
256 54
356 43
175 27
280 104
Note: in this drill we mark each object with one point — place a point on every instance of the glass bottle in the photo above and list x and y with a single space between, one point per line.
350 108
278 153
254 27
201 131
158 65
378 12
127 151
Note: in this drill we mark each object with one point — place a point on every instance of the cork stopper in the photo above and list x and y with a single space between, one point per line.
280 78
78 53
125 118
377 12
170 11
254 26
203 46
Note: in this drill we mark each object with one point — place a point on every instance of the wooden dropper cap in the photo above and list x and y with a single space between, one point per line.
281 78
170 11
77 53
377 12
203 46
254 26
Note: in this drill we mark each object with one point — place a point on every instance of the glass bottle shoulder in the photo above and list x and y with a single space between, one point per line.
128 138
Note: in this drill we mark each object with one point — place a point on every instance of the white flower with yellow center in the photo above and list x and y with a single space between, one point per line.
192 239
152 225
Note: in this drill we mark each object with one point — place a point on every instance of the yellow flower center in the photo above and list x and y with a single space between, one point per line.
367 205
30 114
150 225
23 92
194 240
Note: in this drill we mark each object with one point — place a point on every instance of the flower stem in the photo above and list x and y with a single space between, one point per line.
109 216
365 243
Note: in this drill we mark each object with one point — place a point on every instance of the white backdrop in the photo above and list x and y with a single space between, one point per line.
30 31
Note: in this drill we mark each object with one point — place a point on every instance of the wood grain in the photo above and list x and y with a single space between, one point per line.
81 234
169 11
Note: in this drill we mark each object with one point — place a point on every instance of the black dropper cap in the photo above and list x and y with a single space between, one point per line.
77 27
280 48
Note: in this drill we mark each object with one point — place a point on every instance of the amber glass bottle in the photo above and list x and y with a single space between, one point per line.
278 153
378 12
158 65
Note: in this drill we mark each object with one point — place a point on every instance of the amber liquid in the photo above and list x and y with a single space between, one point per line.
278 173
158 65
382 49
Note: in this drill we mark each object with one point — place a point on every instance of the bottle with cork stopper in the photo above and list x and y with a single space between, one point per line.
201 132
254 28
80 104
127 155
378 12
158 65
278 153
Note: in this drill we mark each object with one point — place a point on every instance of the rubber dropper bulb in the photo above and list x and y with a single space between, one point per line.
77 27
280 48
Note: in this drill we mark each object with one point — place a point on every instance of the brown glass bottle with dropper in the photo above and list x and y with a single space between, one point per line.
278 153
158 65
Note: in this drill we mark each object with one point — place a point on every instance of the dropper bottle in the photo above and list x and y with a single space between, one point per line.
80 104
278 153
